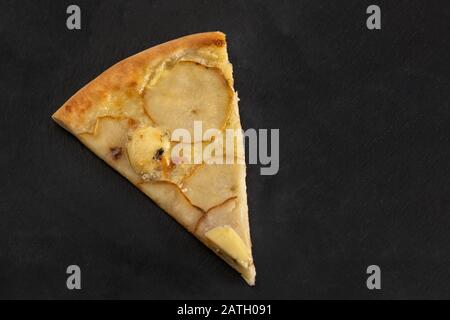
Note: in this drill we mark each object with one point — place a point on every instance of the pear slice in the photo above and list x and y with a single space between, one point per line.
109 142
212 184
189 92
227 243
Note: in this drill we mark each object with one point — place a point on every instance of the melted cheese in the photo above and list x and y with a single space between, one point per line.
147 150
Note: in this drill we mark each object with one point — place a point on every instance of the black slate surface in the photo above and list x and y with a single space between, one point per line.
364 178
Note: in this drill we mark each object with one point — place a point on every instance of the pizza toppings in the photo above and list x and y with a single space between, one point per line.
116 152
225 241
228 242
146 151
158 154
189 92
219 189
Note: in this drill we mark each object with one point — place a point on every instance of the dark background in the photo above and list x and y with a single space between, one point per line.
364 119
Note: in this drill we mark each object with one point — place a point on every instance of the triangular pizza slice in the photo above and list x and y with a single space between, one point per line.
153 117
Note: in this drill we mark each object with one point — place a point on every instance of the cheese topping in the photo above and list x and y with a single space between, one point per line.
148 152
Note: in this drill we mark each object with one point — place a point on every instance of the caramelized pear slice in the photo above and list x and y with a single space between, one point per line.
227 244
212 184
189 92
227 240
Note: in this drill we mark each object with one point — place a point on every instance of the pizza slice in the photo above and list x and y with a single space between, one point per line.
129 117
